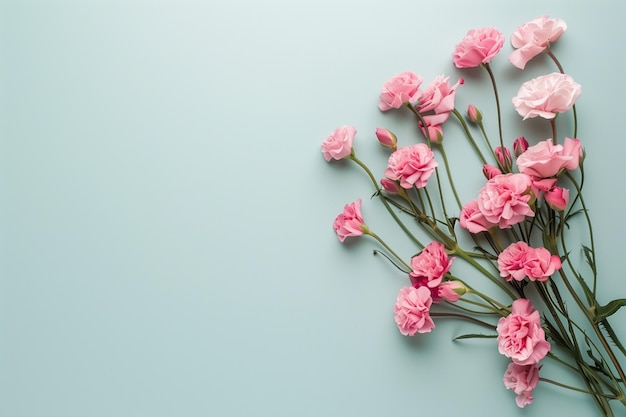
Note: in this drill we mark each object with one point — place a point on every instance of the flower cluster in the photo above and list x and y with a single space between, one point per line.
518 221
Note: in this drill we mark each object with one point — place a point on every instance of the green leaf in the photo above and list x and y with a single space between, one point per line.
611 333
589 257
476 336
603 312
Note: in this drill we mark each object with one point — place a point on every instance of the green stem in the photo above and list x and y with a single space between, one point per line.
496 280
560 67
550 381
447 165
391 251
495 91
469 135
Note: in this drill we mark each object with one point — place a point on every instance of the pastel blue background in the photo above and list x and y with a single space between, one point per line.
166 246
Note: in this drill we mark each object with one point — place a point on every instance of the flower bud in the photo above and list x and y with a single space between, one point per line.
504 158
387 138
389 185
520 145
557 198
435 133
473 114
489 171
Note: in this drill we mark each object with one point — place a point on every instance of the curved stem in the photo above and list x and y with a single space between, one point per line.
560 67
391 251
469 135
495 91
447 165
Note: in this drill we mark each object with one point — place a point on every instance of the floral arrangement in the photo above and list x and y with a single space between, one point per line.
538 302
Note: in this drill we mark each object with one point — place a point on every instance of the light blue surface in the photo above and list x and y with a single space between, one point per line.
165 212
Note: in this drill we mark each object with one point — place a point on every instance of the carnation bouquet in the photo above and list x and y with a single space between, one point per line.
536 298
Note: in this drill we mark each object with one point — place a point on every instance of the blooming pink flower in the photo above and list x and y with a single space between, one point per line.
557 198
438 98
339 144
472 219
489 171
540 264
478 47
545 160
403 88
547 95
520 145
412 311
350 221
532 38
504 199
430 266
520 336
387 138
522 379
412 165
512 260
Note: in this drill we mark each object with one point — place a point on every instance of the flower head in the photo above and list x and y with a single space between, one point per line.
478 47
532 38
412 165
522 379
504 200
547 95
545 160
339 144
402 88
350 221
430 266
412 311
437 100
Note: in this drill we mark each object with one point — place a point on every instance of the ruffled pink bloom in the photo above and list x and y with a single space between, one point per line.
547 95
504 199
478 47
532 38
412 165
437 101
412 311
545 160
387 138
350 221
430 266
522 379
557 198
540 264
472 219
512 260
520 336
401 89
339 144
489 171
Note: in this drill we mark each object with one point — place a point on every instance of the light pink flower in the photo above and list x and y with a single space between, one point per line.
387 138
489 171
540 264
437 101
532 38
478 47
339 144
522 379
389 185
545 160
412 165
557 198
504 200
547 95
520 336
473 114
412 311
430 266
350 221
403 88
472 219
435 133
451 291
512 260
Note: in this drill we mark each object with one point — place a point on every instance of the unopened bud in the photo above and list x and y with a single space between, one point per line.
473 114
387 138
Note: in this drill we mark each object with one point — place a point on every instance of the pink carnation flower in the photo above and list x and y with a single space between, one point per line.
472 219
401 89
557 198
547 95
437 101
430 266
478 47
541 264
339 144
350 221
504 199
520 336
545 160
511 261
412 165
522 379
412 311
532 38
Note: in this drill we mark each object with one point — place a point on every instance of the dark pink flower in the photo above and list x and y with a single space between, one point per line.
504 200
350 221
557 198
520 336
546 96
532 38
512 261
339 144
522 379
520 145
504 158
430 266
401 89
412 311
489 171
412 165
478 47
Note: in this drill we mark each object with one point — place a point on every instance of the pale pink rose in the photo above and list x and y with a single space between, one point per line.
557 198
412 311
478 47
489 171
532 38
520 145
387 138
473 114
547 95
339 144
545 160
472 219
401 89
350 221
437 101
412 165
451 291
512 261
522 379
430 266
504 200
520 336
435 133
540 264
